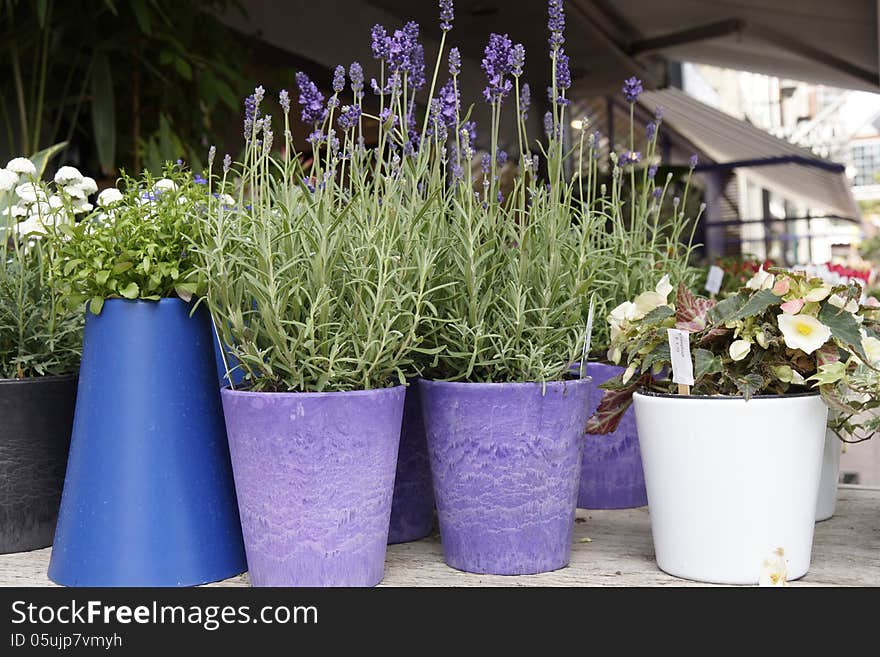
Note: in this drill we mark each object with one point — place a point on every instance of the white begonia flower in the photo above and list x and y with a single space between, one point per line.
803 332
664 287
109 196
761 339
851 305
648 301
88 185
614 355
22 165
739 349
871 346
68 176
628 374
165 185
30 192
8 180
818 293
762 280
774 570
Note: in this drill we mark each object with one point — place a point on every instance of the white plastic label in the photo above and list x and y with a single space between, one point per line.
713 280
680 350
588 337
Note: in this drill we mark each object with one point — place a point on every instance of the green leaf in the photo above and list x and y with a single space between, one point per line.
723 310
142 16
120 267
756 305
843 326
130 291
102 276
186 290
657 315
104 113
42 158
183 68
705 363
96 304
750 384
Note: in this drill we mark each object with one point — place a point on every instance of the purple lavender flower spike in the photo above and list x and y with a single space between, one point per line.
632 88
250 114
548 124
470 127
519 59
556 23
380 43
259 93
652 171
339 79
310 99
212 153
501 157
498 64
486 163
650 130
657 193
658 113
284 100
349 116
630 157
449 104
447 14
525 99
227 162
356 73
454 62
694 161
417 67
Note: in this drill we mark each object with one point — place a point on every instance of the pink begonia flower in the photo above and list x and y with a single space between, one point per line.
792 307
781 287
872 302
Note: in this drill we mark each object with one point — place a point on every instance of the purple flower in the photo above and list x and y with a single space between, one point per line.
199 180
437 124
349 116
227 162
650 130
501 157
498 64
250 114
310 99
417 67
457 173
356 73
630 157
548 125
454 62
500 197
449 104
212 153
563 76
519 59
470 128
536 162
652 171
658 113
632 87
525 99
694 161
284 100
316 138
380 43
556 23
339 79
309 185
486 163
657 193
447 14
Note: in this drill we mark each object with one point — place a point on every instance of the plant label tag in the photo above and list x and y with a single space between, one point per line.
713 280
588 337
680 352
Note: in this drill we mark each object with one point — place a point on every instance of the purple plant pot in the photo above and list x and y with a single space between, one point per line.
505 459
611 468
412 510
314 475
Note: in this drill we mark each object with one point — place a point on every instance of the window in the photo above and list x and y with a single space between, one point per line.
866 159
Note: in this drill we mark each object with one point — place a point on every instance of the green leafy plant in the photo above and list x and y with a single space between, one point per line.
40 330
136 244
779 334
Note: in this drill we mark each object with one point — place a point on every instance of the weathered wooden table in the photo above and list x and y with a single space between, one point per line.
611 548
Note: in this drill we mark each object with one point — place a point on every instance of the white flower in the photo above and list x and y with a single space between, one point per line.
871 346
851 306
624 312
165 185
55 202
68 176
664 287
8 180
75 191
797 378
803 332
22 165
818 293
80 206
88 185
774 571
15 211
109 196
762 280
761 339
648 301
614 355
739 349
33 224
628 374
226 199
30 193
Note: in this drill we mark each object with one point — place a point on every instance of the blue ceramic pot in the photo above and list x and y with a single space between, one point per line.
148 497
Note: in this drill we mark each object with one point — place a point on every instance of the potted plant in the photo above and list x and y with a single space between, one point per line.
504 423
40 338
649 238
148 497
317 281
732 470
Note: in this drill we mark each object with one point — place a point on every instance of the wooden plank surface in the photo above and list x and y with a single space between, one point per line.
846 552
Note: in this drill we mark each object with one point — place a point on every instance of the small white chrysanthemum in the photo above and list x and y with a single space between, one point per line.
80 206
109 196
68 176
8 180
55 202
165 185
22 165
75 191
88 185
15 211
30 193
33 225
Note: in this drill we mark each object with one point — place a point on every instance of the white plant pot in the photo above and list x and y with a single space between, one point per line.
830 475
730 481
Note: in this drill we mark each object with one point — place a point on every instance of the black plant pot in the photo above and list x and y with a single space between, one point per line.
36 418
